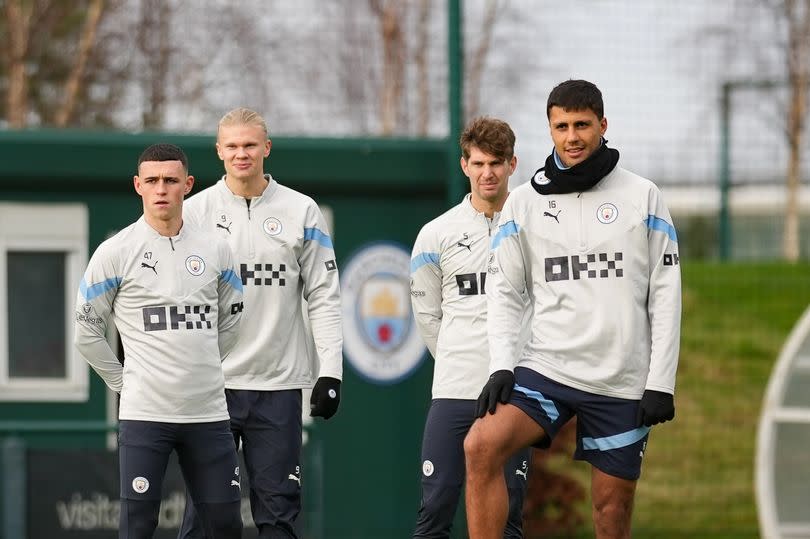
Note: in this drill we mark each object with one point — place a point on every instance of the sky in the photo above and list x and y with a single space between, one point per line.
660 66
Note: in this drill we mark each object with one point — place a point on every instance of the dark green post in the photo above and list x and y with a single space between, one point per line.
12 470
724 226
455 60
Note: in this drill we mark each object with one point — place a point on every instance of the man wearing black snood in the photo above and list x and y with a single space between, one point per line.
594 246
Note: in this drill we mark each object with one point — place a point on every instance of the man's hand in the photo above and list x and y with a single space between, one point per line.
655 407
497 389
325 397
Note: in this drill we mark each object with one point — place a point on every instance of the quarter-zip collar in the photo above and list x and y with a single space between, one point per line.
267 194
146 229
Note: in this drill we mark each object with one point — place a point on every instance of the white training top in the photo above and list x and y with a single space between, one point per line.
177 304
448 295
286 262
602 270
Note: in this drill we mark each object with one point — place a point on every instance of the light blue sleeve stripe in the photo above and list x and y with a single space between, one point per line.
656 223
230 277
317 235
95 290
504 231
422 259
616 441
548 407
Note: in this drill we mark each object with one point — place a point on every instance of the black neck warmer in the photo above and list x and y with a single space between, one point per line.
550 180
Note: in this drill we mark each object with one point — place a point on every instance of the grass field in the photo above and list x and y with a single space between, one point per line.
697 479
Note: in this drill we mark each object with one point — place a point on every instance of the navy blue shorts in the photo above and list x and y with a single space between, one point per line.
608 435
205 451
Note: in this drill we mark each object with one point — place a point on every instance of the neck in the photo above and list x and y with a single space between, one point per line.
248 187
168 228
487 207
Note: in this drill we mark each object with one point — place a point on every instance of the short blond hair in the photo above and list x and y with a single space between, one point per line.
242 116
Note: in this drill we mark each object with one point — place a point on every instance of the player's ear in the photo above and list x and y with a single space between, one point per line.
219 152
512 164
464 165
189 184
136 182
267 145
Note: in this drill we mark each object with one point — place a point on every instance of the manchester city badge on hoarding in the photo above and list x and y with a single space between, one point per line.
380 339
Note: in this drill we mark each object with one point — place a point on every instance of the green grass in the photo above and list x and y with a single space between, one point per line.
698 477
698 473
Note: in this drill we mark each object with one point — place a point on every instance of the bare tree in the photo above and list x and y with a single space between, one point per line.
153 43
420 58
86 43
389 15
18 29
797 17
47 69
479 58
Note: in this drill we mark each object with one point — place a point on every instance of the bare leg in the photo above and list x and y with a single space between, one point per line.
491 441
612 505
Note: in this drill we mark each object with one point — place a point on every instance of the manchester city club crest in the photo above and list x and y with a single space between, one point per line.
379 334
607 213
195 265
272 226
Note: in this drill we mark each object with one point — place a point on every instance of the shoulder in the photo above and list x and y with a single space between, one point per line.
520 197
118 248
443 225
123 239
291 196
633 180
199 201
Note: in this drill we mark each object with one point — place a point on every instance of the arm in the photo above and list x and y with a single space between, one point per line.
664 297
94 305
426 288
506 283
664 312
322 293
229 290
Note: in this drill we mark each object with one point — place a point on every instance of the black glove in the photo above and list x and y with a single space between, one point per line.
325 397
497 389
655 407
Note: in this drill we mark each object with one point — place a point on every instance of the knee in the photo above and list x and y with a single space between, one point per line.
613 514
222 519
139 518
477 450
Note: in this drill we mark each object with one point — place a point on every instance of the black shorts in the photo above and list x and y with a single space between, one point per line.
608 436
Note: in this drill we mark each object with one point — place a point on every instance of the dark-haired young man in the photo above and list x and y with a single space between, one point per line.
177 304
594 246
448 294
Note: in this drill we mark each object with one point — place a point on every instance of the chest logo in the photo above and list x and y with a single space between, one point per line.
195 265
607 213
555 216
227 227
152 267
272 226
466 238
